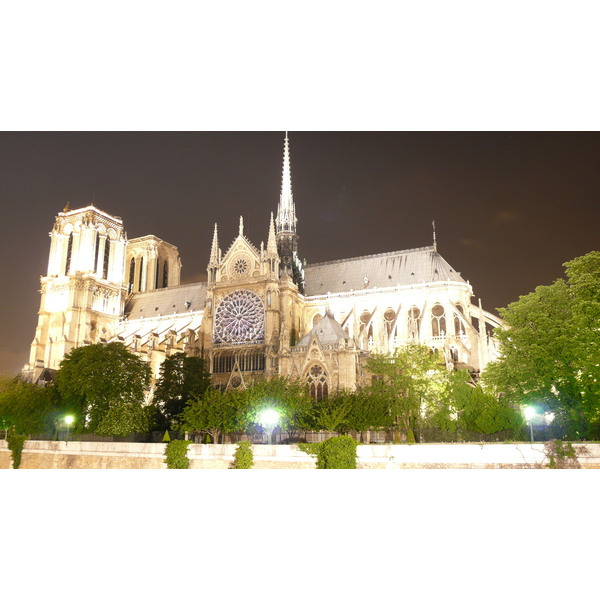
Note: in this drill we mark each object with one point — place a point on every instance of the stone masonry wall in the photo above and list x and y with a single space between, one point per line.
115 455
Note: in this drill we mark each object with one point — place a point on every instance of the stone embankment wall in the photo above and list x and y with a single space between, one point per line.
118 455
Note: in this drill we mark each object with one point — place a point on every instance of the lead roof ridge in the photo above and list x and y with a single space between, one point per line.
395 252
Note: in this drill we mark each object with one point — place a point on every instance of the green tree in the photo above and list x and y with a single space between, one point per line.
27 408
106 385
331 413
550 348
476 409
408 381
181 379
215 413
368 410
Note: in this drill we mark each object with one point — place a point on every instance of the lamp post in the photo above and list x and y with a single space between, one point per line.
269 419
68 420
529 412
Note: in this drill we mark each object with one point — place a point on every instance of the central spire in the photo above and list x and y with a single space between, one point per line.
286 211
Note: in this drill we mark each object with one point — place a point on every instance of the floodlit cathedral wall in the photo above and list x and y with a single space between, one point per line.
261 312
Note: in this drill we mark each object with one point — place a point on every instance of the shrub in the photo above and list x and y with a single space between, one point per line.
243 457
15 445
334 453
176 454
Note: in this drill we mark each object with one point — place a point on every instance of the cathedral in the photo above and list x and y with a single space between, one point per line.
262 312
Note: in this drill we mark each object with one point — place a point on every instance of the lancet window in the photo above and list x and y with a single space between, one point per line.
414 322
438 321
141 274
317 380
69 253
225 362
106 259
131 274
96 251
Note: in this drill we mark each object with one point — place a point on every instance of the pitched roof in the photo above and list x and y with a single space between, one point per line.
405 267
167 301
327 330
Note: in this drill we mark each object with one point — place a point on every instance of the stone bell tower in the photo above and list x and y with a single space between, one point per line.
83 291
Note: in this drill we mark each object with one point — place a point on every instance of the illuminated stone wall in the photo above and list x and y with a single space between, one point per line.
115 455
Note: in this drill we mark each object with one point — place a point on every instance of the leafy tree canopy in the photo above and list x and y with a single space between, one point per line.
214 412
182 378
106 385
409 380
27 408
550 349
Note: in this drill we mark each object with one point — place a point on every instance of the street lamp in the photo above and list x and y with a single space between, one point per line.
68 420
529 412
269 419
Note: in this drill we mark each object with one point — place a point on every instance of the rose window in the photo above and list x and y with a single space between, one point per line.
239 319
241 266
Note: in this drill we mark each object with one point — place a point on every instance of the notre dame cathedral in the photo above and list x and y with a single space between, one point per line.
262 311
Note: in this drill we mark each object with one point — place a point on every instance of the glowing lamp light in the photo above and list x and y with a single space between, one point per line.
68 420
269 419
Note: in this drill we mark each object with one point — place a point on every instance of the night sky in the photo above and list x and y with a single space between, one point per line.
509 208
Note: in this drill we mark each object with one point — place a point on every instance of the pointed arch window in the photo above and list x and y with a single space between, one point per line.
318 381
96 251
165 274
69 253
106 259
141 274
156 274
131 274
414 323
438 321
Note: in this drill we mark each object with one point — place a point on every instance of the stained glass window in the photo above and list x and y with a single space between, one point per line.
239 319
316 378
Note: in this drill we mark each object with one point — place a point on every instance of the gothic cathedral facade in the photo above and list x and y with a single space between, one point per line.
261 313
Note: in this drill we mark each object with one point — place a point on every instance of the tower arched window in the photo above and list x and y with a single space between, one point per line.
317 380
141 274
69 253
438 321
165 274
156 274
131 274
96 251
106 259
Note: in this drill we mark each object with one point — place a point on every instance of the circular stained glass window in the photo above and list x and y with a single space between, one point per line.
437 310
240 267
239 319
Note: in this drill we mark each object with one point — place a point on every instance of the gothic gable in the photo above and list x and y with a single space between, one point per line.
241 261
